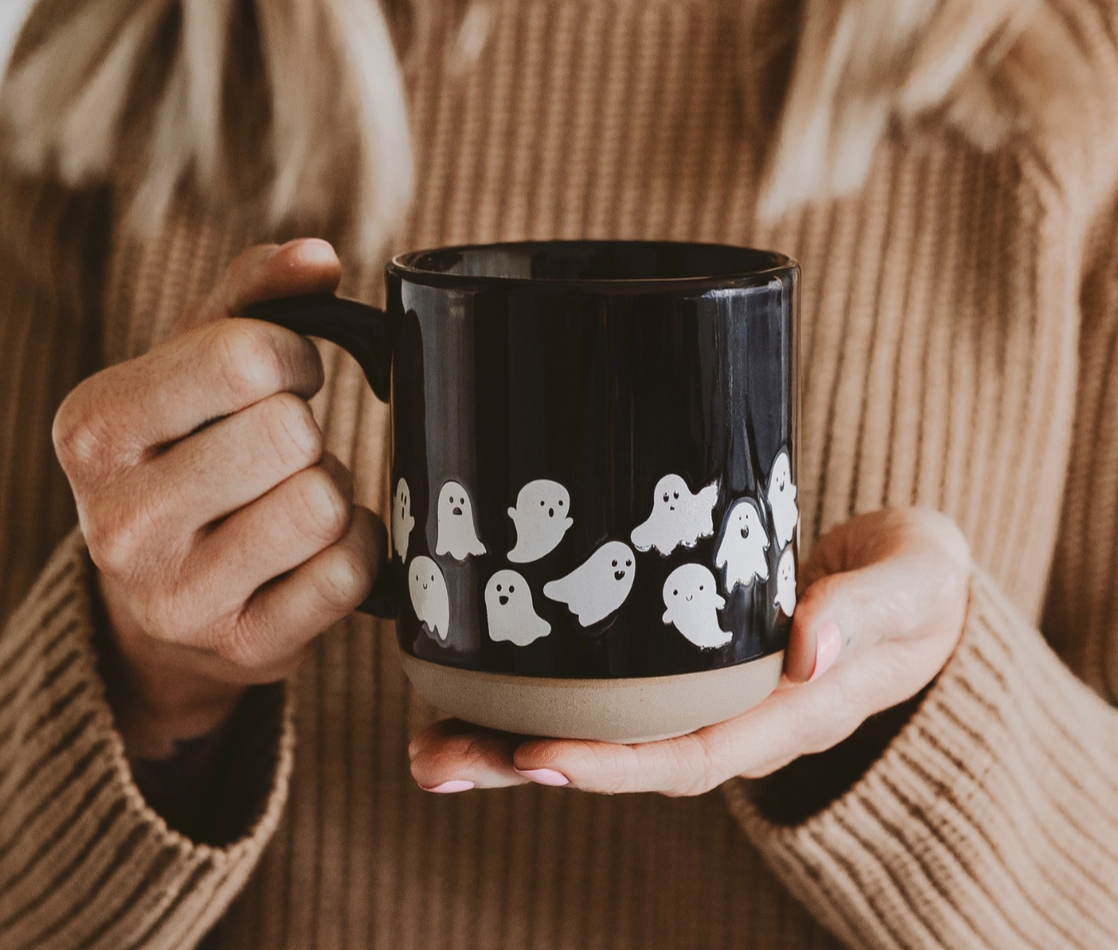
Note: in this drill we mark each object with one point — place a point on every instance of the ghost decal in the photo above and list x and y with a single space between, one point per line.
678 517
402 520
597 587
786 583
457 530
692 601
782 500
428 596
743 546
541 517
512 615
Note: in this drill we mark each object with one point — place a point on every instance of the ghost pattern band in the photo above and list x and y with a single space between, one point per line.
694 593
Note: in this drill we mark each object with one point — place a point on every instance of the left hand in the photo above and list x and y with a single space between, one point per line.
884 600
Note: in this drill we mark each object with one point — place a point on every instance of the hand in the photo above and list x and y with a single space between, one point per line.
885 598
222 547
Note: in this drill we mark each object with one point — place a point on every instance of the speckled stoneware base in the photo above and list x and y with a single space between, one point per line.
610 710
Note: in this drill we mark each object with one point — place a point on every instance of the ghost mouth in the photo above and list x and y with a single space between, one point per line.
689 596
618 575
671 507
551 512
424 586
456 511
503 599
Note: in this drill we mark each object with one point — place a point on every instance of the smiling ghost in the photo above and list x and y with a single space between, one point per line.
512 615
402 520
782 500
692 601
786 582
428 596
598 586
541 519
743 546
457 530
678 517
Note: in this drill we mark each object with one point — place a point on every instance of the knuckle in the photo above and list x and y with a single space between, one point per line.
293 436
78 432
237 645
246 359
343 581
326 511
116 536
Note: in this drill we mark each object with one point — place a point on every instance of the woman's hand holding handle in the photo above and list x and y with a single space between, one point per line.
225 538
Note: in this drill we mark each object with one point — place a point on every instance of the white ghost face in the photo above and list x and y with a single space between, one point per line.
744 542
402 520
692 601
428 595
457 529
782 500
598 586
786 583
512 615
542 517
678 517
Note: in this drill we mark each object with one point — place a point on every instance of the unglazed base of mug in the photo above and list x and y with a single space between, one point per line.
610 710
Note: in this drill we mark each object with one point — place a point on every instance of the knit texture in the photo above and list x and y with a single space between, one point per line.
959 321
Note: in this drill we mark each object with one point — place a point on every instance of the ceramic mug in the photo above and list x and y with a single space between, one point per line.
594 521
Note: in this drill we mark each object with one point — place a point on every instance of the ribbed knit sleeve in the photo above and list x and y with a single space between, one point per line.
84 862
990 821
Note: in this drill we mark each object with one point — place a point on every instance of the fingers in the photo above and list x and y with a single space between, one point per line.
117 416
453 756
227 465
114 419
283 616
292 523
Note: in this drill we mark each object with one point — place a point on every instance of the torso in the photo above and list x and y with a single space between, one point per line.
938 364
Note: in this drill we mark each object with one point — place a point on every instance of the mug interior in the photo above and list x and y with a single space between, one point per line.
594 261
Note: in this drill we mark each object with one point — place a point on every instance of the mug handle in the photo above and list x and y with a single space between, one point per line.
368 334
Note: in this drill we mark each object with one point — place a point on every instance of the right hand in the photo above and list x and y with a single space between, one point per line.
222 547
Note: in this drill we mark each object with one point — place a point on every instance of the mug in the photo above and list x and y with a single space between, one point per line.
594 519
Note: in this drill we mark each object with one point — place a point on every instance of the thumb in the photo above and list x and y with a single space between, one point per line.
849 611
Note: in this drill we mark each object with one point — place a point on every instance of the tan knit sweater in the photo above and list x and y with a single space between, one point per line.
960 318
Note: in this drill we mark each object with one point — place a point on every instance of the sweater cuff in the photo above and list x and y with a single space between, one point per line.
988 821
84 859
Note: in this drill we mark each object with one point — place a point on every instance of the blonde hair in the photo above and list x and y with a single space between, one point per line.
325 132
327 135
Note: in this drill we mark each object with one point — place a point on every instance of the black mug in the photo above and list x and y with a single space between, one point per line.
594 519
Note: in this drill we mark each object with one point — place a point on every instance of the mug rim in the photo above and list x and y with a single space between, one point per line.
404 266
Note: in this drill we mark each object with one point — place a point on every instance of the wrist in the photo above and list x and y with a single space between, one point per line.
159 698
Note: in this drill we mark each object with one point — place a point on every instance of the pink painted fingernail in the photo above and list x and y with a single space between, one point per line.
545 776
454 785
828 643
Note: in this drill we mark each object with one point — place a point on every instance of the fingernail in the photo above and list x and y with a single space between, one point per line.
454 785
312 250
828 643
545 776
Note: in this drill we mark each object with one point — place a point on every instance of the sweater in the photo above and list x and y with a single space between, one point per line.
959 318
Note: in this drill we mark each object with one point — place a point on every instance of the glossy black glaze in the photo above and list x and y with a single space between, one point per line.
602 366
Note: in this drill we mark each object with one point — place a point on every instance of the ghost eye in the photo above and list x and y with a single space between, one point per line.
560 502
629 563
541 502
665 496
675 593
675 494
498 588
700 587
615 564
512 590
